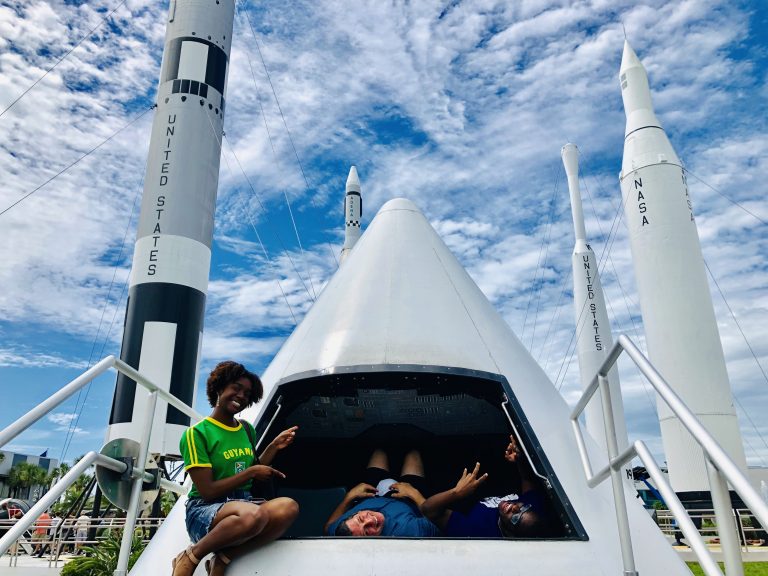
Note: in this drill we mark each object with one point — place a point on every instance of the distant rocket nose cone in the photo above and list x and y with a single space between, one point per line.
353 182
570 155
629 59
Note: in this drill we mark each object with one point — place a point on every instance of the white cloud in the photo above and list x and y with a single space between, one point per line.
463 109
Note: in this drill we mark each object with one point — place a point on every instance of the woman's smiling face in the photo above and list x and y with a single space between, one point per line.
236 396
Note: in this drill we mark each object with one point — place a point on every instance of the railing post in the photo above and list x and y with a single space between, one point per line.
133 507
625 536
742 530
726 530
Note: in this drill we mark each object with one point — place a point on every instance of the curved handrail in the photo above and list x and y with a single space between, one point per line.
719 465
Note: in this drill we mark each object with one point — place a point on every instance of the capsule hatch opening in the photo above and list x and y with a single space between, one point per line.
453 417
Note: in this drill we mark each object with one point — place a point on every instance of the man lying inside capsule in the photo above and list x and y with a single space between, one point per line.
382 505
510 516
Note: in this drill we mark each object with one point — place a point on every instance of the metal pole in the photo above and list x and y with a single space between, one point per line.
742 530
617 482
166 396
684 521
726 530
133 506
712 449
53 494
49 404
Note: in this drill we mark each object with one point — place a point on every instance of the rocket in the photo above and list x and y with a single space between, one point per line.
353 213
171 261
678 315
593 330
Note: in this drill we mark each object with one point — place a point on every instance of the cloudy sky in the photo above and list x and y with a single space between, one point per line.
461 106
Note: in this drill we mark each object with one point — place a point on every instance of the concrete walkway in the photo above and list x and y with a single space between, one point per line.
28 566
753 554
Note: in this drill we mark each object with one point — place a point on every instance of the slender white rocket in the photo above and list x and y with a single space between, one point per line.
593 330
678 316
171 261
353 213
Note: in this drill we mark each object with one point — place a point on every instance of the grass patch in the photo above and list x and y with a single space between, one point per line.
750 568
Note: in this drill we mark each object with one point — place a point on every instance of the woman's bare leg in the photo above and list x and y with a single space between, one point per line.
281 513
235 522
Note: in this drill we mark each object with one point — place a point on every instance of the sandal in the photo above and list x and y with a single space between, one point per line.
217 564
185 563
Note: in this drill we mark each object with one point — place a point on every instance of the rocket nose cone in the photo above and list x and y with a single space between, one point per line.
570 156
629 59
353 182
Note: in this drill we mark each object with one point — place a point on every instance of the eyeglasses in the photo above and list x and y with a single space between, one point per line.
514 520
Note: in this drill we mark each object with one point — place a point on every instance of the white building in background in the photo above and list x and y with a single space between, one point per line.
10 459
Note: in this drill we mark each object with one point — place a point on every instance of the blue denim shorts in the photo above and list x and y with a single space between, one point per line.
200 513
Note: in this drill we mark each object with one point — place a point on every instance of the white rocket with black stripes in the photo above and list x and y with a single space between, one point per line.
353 212
171 261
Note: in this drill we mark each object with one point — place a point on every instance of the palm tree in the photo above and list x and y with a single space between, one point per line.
25 475
57 473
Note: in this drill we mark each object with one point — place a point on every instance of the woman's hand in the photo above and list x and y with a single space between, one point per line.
512 453
469 482
262 473
284 439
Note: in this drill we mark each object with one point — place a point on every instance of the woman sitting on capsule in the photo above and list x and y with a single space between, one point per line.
218 454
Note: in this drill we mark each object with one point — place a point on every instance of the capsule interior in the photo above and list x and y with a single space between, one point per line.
453 417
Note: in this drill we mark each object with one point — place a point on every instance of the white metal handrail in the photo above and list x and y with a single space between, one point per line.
720 468
138 473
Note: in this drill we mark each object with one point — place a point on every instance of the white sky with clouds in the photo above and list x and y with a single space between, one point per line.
461 106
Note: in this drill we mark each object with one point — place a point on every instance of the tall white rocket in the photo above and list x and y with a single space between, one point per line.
353 213
593 330
171 261
679 319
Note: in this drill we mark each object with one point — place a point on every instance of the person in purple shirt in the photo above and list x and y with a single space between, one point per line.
382 506
509 516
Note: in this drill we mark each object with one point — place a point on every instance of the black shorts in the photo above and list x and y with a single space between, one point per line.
375 475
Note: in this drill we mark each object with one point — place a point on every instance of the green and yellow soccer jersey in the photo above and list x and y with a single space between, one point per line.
211 444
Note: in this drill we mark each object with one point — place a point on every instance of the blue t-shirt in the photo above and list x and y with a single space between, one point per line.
480 521
400 519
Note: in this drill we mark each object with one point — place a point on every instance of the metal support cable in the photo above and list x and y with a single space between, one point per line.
219 142
91 151
60 60
746 340
75 421
544 240
708 185
552 213
293 146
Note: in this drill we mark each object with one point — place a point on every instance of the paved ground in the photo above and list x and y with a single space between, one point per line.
27 566
753 554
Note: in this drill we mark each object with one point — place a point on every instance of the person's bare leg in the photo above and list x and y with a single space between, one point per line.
235 523
281 513
413 464
379 459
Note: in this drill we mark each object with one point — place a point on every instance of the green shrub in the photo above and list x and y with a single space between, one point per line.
101 560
